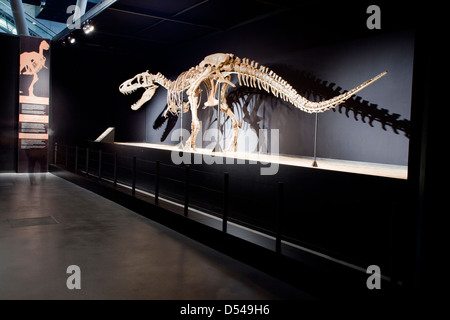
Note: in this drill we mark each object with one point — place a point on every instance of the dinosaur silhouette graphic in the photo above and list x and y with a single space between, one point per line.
31 63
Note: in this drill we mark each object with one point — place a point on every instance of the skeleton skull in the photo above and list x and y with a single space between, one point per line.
141 80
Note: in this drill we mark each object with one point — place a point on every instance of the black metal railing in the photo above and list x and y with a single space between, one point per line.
218 194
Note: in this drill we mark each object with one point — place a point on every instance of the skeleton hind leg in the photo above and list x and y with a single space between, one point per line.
235 123
195 124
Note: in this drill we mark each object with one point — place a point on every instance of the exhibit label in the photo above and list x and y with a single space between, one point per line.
34 92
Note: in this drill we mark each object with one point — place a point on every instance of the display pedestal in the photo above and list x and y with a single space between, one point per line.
365 168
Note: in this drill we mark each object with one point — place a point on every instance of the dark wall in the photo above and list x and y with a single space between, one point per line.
85 95
321 58
9 81
371 127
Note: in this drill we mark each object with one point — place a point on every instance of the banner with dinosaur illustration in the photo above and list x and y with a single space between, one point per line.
34 92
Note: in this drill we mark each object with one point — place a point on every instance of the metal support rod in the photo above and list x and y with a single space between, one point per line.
181 144
225 201
19 17
115 169
87 161
186 192
314 164
217 148
99 164
279 219
395 251
133 185
76 159
157 183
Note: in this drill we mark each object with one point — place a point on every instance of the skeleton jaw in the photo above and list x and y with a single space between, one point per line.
146 96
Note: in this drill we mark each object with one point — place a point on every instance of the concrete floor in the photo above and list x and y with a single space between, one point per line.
121 255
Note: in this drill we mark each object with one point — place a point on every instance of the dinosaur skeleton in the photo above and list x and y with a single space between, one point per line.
217 69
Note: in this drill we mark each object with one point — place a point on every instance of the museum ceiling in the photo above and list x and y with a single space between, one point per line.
161 24
130 25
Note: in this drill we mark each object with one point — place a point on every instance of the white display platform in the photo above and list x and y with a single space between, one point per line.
367 168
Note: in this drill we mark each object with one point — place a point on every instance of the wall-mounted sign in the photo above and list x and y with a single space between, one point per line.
34 92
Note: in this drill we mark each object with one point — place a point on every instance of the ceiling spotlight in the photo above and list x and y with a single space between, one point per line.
88 28
71 40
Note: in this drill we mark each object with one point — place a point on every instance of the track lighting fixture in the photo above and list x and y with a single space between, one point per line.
88 27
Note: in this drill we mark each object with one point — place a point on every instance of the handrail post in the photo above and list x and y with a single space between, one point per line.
133 186
279 219
76 159
396 217
115 169
186 192
157 183
56 153
87 161
67 156
99 164
225 201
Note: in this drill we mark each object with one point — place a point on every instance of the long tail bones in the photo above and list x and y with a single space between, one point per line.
217 69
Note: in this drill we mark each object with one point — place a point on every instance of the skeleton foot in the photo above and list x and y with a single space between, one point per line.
195 128
189 146
232 148
233 144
